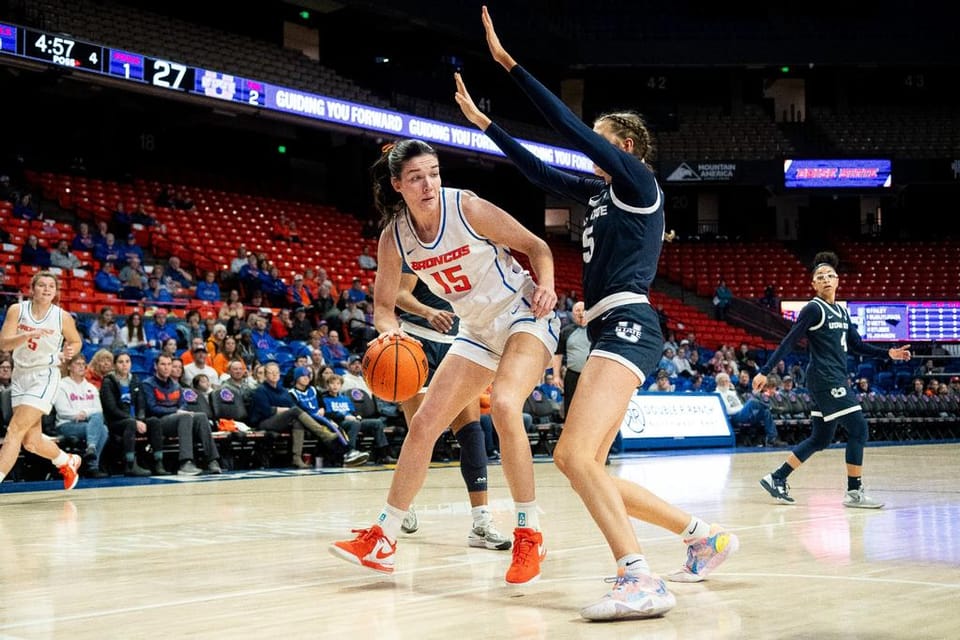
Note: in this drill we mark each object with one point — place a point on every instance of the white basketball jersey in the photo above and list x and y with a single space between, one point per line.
477 277
42 352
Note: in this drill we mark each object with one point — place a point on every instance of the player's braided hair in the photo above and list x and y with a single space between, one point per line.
629 124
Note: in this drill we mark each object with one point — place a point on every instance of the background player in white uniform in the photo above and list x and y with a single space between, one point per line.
432 321
40 334
456 243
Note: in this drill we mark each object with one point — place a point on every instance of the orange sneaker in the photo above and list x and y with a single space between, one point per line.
528 552
69 471
370 549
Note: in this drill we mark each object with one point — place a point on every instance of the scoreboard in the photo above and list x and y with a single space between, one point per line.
61 50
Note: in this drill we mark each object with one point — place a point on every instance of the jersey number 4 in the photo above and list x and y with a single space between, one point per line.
452 280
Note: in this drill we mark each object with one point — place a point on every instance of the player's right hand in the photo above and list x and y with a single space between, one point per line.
467 105
493 41
441 320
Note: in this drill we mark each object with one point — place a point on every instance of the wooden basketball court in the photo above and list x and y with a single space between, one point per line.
243 556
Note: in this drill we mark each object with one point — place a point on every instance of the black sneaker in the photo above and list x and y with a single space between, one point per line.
136 471
777 488
189 469
214 467
160 470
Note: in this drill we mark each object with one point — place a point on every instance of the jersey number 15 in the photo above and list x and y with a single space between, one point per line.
452 280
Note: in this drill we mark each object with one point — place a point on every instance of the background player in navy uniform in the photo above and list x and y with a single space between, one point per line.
622 236
431 320
830 336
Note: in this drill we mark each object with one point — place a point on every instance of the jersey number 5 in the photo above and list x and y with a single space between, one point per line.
32 344
588 244
452 280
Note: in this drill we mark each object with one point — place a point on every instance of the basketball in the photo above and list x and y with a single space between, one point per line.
395 369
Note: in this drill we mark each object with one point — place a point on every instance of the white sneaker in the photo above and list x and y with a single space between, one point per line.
410 522
484 534
641 596
354 458
857 499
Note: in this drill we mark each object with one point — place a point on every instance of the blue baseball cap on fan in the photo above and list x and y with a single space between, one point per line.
301 371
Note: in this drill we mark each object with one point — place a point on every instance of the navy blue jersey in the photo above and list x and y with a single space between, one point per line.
623 228
423 294
830 334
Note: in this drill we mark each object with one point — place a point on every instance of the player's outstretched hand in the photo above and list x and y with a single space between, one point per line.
900 353
544 301
493 41
467 105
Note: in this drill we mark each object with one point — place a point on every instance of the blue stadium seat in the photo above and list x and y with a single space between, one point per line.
886 380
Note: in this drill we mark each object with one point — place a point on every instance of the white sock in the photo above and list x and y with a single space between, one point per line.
634 563
481 514
2 476
390 520
696 530
60 460
527 515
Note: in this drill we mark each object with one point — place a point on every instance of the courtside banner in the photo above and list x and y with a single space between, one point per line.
675 420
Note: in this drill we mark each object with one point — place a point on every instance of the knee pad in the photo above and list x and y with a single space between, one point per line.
473 457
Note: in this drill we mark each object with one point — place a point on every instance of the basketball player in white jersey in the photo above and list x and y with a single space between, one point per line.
457 243
41 336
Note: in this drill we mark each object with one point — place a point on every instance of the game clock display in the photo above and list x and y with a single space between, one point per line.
65 51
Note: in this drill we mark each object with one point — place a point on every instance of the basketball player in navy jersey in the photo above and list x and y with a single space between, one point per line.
622 237
830 336
460 246
431 320
41 336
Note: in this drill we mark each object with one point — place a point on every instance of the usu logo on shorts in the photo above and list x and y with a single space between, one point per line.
838 392
629 331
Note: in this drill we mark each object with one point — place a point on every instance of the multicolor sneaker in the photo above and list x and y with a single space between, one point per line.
410 522
703 556
370 549
528 552
777 487
484 534
857 499
70 471
632 596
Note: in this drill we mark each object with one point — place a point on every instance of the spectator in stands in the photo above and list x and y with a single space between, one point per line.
798 374
165 407
100 365
83 240
864 387
176 271
234 304
208 289
200 366
751 412
927 369
260 337
281 229
64 258
356 292
353 378
33 254
123 413
109 250
306 398
334 352
743 387
273 287
80 415
250 278
746 359
273 408
155 292
300 327
176 368
572 349
780 369
666 363
340 408
280 325
106 279
769 298
215 340
6 371
25 210
294 233
365 260
300 294
321 278
159 330
955 385
50 232
182 201
120 220
103 331
788 385
100 234
550 390
192 329
354 319
228 351
722 297
324 305
680 361
187 356
164 198
140 215
932 387
696 383
132 335
696 365
238 379
131 248
133 290
662 382
240 260
917 388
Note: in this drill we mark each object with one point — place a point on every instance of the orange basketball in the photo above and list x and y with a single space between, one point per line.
395 369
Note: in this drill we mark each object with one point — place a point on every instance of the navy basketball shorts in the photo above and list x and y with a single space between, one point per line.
834 403
629 334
